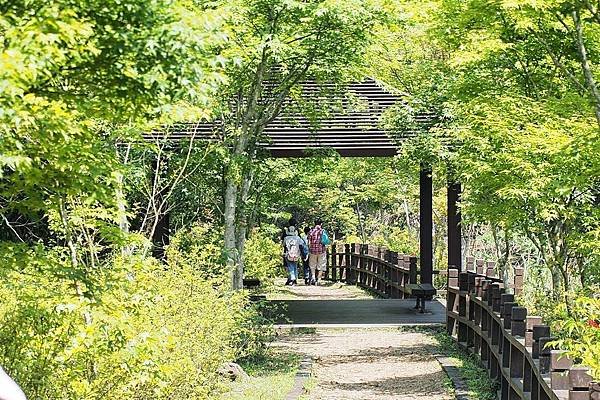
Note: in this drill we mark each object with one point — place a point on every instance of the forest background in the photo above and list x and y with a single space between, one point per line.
96 303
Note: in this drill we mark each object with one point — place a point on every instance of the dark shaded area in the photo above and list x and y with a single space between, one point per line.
357 312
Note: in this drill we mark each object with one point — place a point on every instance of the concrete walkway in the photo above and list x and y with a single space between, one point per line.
359 346
338 305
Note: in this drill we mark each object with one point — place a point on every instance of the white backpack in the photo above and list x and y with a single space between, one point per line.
293 249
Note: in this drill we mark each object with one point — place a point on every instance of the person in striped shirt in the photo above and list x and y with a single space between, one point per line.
317 257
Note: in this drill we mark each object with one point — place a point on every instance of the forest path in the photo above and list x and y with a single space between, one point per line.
326 290
379 363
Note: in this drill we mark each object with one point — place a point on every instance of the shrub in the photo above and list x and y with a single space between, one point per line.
263 258
200 248
579 332
147 330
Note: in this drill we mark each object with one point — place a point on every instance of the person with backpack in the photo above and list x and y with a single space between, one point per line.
291 222
294 250
318 240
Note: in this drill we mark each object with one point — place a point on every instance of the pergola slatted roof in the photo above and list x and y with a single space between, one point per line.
352 126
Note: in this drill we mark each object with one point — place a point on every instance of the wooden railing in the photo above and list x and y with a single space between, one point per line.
483 316
374 268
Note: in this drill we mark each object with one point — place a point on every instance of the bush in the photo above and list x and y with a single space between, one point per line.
147 330
579 332
200 248
263 258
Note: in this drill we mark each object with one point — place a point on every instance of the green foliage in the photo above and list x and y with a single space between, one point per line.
397 239
77 78
153 331
578 329
263 258
198 247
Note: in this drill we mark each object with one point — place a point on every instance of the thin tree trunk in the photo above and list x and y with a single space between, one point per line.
586 66
407 214
120 196
231 191
242 228
361 226
87 317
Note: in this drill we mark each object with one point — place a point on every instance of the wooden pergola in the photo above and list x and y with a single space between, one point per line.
352 126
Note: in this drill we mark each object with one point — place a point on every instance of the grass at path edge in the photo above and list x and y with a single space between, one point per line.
481 387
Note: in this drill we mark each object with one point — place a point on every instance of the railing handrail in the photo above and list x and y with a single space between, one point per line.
375 268
483 316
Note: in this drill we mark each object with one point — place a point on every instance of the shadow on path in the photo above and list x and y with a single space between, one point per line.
357 312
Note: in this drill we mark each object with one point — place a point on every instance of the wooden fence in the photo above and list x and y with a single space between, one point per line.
375 268
483 316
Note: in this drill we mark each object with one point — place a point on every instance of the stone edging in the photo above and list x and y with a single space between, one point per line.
302 375
461 390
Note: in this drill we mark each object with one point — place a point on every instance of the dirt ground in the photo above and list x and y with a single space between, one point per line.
324 291
370 364
365 364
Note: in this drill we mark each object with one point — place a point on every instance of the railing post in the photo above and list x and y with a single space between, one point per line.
479 268
490 269
334 262
412 270
559 367
347 257
539 332
469 262
518 281
394 275
545 352
579 383
507 302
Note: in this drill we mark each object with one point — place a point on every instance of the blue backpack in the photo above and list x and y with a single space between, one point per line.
325 241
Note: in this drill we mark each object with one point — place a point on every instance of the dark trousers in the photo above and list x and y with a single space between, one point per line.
307 271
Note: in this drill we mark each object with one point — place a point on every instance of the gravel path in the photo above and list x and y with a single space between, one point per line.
325 291
365 364
370 364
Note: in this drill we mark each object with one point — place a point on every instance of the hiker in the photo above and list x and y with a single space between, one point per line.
308 276
318 239
291 222
294 251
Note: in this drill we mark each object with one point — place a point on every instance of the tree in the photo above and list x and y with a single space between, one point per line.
274 45
78 78
515 85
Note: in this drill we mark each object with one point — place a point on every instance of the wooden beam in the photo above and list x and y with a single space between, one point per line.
454 225
426 224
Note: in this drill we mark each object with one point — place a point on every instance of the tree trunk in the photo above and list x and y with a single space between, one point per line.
242 228
586 66
557 282
363 236
231 191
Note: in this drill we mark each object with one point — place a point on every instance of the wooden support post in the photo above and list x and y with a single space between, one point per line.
334 262
426 224
346 262
454 225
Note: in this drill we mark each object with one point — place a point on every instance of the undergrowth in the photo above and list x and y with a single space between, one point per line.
475 376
